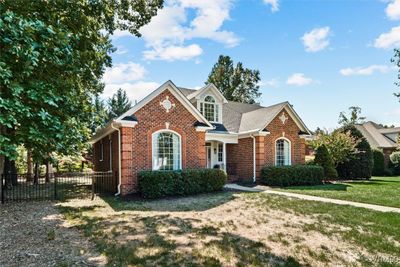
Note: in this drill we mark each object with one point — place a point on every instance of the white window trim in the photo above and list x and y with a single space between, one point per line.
101 158
152 146
290 150
216 104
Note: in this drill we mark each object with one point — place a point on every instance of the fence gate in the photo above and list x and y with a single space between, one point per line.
21 187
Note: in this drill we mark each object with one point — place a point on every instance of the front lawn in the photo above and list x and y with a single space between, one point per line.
235 229
379 190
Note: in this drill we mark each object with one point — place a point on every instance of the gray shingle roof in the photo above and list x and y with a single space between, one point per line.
242 117
374 135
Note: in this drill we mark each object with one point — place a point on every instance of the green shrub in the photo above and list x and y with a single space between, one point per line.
324 159
379 162
292 175
395 163
359 166
157 184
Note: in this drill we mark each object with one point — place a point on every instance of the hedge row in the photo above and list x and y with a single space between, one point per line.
292 175
157 184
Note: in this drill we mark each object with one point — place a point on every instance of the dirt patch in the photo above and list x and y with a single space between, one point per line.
36 234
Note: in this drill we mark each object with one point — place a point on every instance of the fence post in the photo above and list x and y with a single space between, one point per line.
92 174
55 187
2 188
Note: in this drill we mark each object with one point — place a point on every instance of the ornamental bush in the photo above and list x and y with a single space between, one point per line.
379 162
395 163
292 175
360 165
157 184
324 159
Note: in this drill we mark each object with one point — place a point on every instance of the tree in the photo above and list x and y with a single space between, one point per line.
235 83
53 55
359 166
340 145
118 104
355 117
396 61
324 159
379 163
99 114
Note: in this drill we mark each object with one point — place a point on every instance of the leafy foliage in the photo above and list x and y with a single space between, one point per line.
395 163
53 55
118 104
292 175
324 159
355 117
157 184
359 166
235 83
396 61
379 162
99 114
341 146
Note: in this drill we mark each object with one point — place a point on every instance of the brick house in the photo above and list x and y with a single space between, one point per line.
381 138
177 128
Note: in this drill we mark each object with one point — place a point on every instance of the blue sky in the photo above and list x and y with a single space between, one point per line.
322 56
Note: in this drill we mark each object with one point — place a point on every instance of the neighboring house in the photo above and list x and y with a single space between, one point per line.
177 128
381 138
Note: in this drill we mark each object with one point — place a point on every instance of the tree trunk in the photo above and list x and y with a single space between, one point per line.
49 171
29 173
36 174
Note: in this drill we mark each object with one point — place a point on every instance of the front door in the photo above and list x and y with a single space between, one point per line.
208 156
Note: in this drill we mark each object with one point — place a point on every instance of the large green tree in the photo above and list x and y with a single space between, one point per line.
118 104
236 83
52 57
353 118
99 114
396 61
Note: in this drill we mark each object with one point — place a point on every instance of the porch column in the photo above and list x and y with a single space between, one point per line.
224 154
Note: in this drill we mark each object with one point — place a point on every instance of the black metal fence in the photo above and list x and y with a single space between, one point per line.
22 187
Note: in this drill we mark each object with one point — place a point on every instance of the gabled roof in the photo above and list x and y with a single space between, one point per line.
210 87
375 135
169 85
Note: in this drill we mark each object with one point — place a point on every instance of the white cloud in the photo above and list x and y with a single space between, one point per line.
121 50
136 91
118 34
299 79
365 70
389 39
393 10
274 4
124 72
172 53
270 83
173 26
316 39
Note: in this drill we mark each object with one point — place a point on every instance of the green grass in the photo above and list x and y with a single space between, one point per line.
375 231
379 190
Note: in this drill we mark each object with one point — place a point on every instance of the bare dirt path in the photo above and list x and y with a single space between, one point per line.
35 234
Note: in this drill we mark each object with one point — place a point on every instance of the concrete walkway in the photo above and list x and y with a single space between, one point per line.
267 190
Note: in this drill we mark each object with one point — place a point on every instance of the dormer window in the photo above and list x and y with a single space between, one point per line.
210 109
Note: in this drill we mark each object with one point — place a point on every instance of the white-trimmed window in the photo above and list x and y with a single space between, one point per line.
282 152
101 151
220 152
166 151
210 109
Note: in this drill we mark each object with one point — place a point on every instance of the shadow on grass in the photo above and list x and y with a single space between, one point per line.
163 240
325 187
199 202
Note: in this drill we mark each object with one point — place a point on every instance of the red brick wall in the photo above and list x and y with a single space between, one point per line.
104 165
241 156
288 130
137 141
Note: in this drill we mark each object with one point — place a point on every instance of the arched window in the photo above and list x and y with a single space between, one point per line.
166 151
210 109
282 152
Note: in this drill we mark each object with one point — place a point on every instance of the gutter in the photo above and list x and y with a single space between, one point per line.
119 159
254 158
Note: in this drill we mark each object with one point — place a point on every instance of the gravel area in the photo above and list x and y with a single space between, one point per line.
35 234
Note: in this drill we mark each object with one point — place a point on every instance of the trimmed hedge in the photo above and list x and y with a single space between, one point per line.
157 184
292 175
379 163
324 159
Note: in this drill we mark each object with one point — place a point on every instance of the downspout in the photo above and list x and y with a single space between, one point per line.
119 159
254 158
